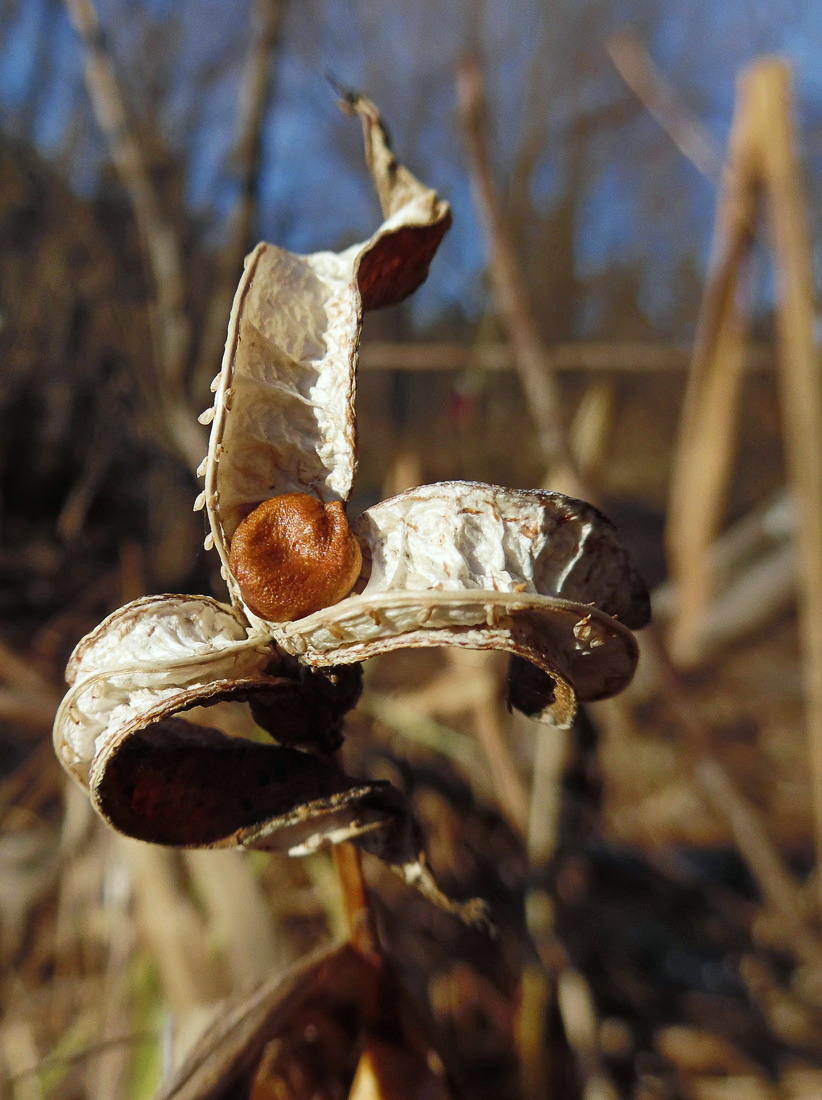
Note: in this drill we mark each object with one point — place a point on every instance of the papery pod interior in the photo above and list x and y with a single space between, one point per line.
158 777
283 414
144 662
466 535
539 575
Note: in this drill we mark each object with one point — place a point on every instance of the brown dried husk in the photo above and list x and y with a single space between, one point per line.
283 414
460 563
157 777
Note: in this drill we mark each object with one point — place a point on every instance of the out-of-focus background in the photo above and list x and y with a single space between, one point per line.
653 873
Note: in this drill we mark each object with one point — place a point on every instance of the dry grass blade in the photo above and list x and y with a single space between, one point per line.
768 86
235 1042
708 430
170 923
752 565
752 600
239 916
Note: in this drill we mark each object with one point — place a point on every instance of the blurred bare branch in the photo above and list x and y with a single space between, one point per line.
589 356
253 100
684 128
170 324
510 291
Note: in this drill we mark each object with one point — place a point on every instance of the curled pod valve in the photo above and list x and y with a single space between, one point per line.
294 555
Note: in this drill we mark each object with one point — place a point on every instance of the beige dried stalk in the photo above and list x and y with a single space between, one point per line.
708 430
777 885
753 137
762 163
768 85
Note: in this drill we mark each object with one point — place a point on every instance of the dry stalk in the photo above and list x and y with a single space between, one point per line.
534 368
708 431
362 927
768 87
762 153
752 599
762 158
752 566
359 914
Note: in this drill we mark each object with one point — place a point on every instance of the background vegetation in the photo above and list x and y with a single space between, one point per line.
653 875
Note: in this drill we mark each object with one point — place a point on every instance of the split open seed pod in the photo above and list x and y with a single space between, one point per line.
133 726
537 574
157 776
337 1023
132 729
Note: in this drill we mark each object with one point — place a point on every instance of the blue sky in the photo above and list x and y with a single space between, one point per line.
636 201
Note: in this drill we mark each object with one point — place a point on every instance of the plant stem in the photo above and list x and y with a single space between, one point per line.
362 927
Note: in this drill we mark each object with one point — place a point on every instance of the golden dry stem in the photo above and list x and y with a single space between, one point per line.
294 555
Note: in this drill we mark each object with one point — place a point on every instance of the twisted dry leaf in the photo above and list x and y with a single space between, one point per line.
315 1024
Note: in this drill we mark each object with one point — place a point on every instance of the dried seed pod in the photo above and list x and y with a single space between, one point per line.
294 555
465 564
190 786
146 661
284 416
283 424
